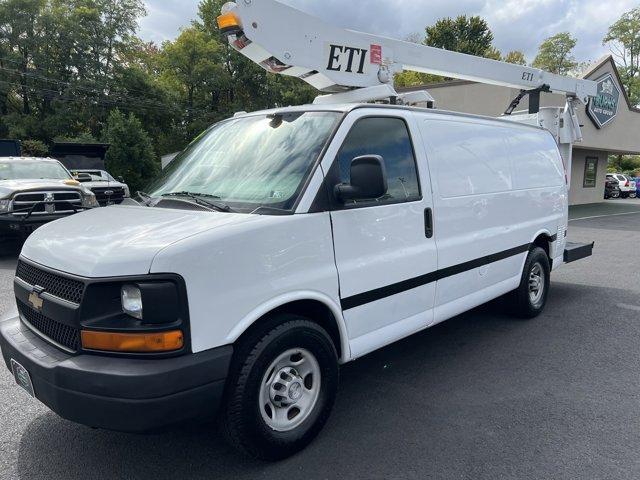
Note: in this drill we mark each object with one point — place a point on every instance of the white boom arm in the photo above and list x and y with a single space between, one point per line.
290 42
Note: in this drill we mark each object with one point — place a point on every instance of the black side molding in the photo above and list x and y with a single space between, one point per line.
577 251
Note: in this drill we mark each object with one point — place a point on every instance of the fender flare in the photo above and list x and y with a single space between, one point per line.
277 302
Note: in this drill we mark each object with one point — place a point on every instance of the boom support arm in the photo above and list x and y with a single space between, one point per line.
290 42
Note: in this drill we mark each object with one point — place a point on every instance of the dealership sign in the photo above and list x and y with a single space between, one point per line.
604 107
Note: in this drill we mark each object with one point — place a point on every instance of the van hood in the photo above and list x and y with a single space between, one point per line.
118 240
9 187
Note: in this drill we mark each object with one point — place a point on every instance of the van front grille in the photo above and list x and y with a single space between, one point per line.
53 284
64 335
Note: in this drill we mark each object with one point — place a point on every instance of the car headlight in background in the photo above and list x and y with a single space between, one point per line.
132 301
127 192
4 206
89 200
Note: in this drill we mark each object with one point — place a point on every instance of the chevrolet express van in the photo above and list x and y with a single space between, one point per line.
276 247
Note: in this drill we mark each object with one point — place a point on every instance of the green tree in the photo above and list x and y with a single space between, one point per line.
34 148
463 34
131 152
555 54
627 164
516 57
623 38
493 53
190 62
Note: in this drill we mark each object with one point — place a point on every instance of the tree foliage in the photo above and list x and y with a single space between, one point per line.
623 38
131 153
67 65
470 35
555 54
516 57
627 164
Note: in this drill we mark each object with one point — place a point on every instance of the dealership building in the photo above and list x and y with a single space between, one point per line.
611 125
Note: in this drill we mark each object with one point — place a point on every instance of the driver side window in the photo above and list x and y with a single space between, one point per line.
389 138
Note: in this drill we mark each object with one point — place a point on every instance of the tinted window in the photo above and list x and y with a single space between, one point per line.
389 138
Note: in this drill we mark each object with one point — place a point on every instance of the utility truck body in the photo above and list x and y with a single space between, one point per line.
279 245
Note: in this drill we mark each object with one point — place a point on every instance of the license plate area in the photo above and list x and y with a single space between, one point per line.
22 377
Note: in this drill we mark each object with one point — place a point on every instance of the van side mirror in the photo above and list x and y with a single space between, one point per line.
368 180
120 178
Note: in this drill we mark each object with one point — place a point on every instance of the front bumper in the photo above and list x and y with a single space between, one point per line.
17 226
121 394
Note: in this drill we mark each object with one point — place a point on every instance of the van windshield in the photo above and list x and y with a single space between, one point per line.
251 162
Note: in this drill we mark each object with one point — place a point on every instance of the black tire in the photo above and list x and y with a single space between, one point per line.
523 305
242 421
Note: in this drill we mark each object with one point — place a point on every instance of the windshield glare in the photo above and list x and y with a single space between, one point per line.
251 162
30 170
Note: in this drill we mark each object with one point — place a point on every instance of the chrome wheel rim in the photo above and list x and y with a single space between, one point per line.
536 284
290 389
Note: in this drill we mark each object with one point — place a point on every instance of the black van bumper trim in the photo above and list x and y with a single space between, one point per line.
120 394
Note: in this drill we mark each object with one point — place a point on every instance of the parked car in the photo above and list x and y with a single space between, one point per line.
611 188
35 191
278 246
627 186
108 190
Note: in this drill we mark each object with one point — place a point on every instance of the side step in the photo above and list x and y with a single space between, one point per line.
577 251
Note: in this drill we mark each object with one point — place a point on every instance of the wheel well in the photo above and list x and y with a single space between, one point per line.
313 310
544 242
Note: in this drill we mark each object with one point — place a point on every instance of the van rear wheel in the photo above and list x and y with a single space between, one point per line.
281 390
530 297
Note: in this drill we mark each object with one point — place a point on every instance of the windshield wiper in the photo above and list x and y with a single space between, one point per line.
146 198
271 210
197 197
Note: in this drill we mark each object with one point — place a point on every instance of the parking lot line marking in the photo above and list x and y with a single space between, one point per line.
604 216
633 308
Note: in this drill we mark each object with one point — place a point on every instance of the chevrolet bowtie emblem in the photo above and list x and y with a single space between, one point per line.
36 301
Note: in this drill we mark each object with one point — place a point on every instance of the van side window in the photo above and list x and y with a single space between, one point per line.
389 138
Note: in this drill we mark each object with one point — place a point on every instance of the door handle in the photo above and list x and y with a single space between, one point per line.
428 223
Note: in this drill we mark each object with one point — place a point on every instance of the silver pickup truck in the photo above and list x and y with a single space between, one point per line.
35 191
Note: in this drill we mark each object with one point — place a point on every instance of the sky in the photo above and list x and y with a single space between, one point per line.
516 24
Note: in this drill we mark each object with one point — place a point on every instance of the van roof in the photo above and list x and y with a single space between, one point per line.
349 107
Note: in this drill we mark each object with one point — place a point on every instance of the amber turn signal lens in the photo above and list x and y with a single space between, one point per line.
133 342
229 23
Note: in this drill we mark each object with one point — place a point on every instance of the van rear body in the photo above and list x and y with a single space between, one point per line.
269 275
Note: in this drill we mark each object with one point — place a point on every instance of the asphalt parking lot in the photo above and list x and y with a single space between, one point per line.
482 396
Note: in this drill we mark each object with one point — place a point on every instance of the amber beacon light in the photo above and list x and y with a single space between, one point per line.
228 21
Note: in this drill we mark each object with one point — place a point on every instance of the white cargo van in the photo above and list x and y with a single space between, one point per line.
279 245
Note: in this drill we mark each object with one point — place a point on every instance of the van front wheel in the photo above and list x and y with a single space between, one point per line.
530 298
282 389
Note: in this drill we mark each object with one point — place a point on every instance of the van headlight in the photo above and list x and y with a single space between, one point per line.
89 200
132 301
4 206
